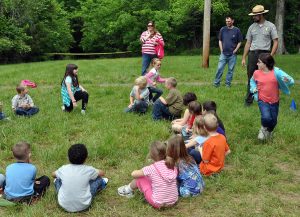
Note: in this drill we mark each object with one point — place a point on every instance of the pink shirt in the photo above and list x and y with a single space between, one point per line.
148 46
153 75
267 86
164 183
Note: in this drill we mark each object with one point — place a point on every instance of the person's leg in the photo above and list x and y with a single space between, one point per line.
146 59
84 96
32 111
265 111
97 185
2 116
2 179
160 111
251 67
274 108
69 108
219 73
158 92
21 111
195 154
231 65
140 106
40 186
144 185
150 93
57 184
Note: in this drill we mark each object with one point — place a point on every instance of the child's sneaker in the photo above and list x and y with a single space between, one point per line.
63 108
125 191
263 133
83 112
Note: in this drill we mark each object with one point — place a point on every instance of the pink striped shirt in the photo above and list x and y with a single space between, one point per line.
148 46
153 75
164 183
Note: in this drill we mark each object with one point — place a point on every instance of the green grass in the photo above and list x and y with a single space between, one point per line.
258 179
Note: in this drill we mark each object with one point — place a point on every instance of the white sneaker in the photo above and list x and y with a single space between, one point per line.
125 191
63 108
83 112
105 180
263 133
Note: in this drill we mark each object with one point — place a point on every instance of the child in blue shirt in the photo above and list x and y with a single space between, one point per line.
20 182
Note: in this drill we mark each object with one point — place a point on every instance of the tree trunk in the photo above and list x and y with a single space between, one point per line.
206 34
279 21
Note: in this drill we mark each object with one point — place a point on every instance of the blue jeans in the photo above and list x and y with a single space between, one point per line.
158 92
2 115
146 60
195 154
95 185
161 111
139 106
2 179
269 114
186 135
27 112
223 60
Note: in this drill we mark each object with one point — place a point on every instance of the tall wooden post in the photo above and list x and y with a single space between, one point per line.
206 33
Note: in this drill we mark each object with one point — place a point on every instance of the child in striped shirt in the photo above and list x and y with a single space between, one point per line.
158 181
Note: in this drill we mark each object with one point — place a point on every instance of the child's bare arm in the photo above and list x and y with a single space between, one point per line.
137 174
163 100
227 152
71 94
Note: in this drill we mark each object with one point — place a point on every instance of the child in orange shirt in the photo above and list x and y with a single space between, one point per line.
214 149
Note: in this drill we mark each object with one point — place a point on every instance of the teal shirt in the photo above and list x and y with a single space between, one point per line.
64 91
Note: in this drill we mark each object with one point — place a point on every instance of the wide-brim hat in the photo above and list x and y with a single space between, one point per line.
258 9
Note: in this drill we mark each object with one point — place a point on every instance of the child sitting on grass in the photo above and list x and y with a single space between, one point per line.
177 124
212 106
190 182
139 96
200 135
158 181
22 103
214 149
77 183
20 182
195 110
152 77
170 107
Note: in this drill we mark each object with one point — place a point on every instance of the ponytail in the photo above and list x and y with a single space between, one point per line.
170 163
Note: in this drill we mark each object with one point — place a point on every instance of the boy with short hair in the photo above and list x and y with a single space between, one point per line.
20 182
139 96
77 183
22 103
214 149
170 107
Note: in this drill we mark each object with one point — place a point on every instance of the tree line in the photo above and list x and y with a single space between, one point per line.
30 28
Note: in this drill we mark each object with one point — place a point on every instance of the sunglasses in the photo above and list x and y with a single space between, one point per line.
150 25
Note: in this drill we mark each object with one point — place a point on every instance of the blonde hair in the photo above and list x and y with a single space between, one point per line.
198 127
141 81
21 151
210 122
172 81
155 60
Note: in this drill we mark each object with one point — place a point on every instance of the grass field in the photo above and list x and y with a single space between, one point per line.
258 179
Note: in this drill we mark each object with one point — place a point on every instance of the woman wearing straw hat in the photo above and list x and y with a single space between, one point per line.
259 39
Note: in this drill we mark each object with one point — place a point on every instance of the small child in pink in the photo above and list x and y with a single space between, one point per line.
152 77
158 181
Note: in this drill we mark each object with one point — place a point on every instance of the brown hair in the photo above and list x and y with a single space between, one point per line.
21 151
172 81
267 59
195 108
20 88
154 61
210 122
198 127
157 151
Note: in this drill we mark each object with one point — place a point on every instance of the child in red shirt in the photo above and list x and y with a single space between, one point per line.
214 149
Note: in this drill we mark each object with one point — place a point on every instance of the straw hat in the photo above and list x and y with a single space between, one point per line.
258 9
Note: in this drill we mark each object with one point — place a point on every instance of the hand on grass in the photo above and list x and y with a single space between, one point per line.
74 104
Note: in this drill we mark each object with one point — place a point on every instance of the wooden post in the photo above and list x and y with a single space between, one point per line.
206 34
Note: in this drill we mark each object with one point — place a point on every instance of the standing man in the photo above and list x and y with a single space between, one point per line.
230 39
259 38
